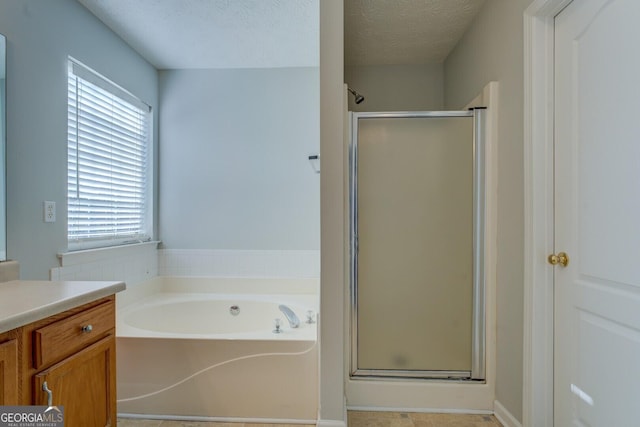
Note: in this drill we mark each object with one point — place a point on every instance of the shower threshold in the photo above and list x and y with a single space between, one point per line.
413 374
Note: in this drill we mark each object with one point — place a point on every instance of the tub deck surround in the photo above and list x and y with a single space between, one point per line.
182 353
207 316
27 301
218 285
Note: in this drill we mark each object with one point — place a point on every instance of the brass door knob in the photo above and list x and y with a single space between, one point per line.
561 258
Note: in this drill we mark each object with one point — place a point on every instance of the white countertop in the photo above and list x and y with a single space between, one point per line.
26 301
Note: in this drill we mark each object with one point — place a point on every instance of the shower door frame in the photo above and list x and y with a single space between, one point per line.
478 334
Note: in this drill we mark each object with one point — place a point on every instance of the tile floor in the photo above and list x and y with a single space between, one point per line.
159 423
412 419
355 419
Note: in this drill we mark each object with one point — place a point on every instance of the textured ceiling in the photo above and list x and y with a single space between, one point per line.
379 32
174 34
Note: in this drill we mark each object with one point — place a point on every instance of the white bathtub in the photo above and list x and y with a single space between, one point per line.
181 353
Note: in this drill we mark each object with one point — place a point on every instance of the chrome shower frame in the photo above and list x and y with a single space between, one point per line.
478 336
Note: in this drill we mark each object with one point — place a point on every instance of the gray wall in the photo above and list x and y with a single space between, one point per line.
234 168
396 87
40 37
3 124
492 49
332 321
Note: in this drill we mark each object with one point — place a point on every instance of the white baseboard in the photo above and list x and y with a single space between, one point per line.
331 423
420 410
504 416
261 421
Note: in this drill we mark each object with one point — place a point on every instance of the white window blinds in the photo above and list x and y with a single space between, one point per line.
108 149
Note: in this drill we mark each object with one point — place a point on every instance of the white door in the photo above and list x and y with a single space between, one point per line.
597 214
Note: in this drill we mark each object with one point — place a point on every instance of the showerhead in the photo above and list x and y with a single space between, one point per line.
359 98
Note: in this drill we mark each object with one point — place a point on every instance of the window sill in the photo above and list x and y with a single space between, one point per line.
85 256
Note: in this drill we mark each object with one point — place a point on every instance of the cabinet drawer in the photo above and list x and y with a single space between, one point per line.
57 340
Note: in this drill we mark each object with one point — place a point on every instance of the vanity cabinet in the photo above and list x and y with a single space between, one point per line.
74 354
9 372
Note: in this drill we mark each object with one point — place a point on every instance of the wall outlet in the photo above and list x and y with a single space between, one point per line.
49 211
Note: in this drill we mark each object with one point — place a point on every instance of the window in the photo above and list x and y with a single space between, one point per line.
108 196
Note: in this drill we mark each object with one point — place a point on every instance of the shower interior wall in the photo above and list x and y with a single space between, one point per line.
418 87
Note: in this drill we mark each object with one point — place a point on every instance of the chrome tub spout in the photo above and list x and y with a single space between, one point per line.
294 322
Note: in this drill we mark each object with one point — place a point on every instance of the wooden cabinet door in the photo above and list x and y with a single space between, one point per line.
84 384
9 372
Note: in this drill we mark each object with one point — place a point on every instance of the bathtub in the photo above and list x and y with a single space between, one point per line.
204 349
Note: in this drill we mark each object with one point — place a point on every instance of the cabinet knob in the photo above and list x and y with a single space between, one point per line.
87 328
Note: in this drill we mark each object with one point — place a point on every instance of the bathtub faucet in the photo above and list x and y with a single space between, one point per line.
294 322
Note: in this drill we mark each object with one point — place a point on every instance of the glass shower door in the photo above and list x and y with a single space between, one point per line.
413 196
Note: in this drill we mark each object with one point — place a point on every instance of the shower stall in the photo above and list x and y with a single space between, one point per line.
417 213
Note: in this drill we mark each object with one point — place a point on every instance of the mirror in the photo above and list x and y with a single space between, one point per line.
3 134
